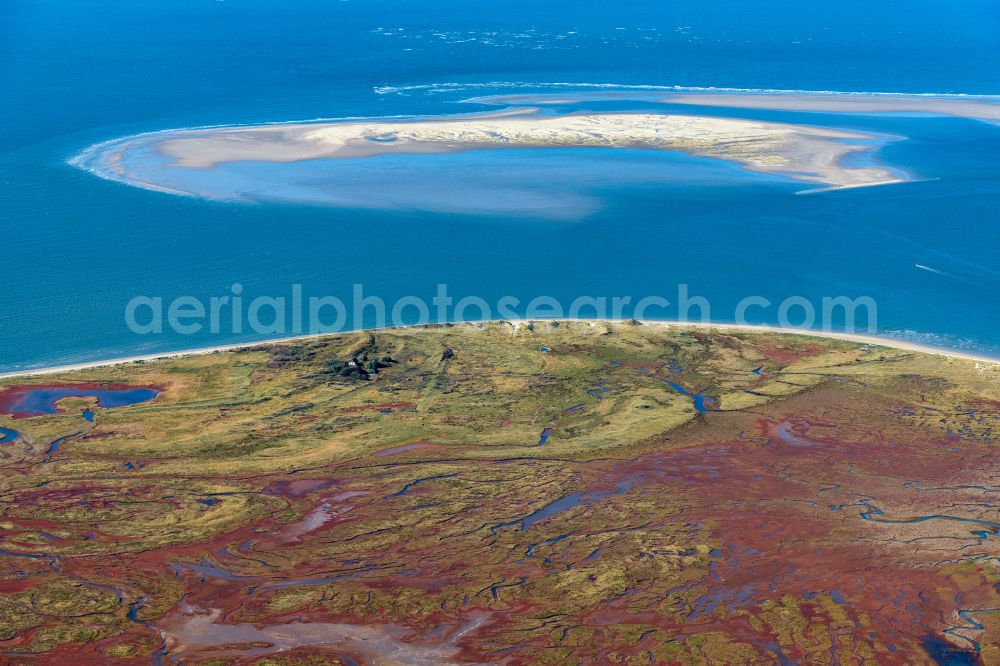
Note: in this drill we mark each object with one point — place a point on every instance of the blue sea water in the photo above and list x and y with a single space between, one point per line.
77 248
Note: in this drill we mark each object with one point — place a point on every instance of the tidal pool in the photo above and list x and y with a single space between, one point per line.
27 401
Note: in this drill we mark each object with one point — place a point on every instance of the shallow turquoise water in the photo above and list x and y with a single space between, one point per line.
77 248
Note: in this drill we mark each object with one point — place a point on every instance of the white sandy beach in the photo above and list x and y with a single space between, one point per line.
746 328
944 106
811 154
983 107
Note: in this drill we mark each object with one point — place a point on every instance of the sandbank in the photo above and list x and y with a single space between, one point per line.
801 152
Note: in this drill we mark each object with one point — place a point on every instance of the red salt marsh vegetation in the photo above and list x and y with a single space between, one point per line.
831 502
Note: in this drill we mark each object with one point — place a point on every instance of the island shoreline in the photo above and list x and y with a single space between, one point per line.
813 154
889 343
